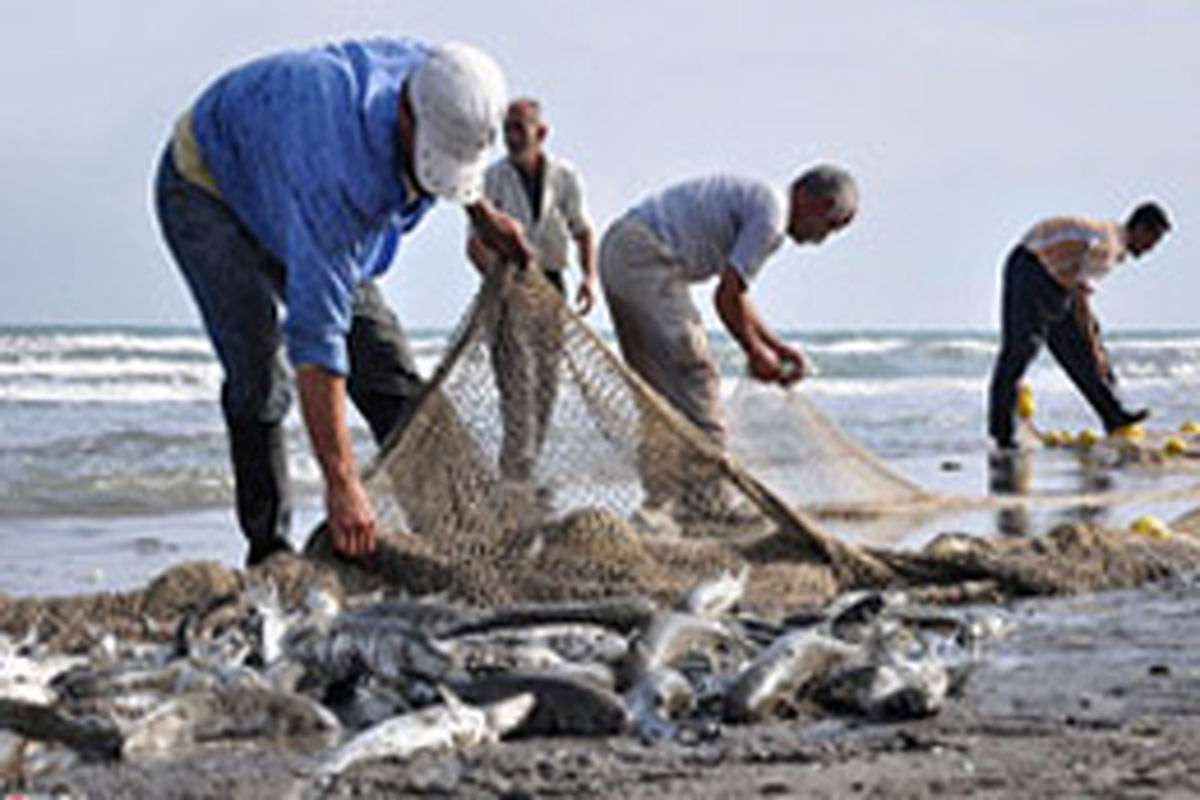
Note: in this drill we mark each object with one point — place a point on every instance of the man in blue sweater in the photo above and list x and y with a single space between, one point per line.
289 184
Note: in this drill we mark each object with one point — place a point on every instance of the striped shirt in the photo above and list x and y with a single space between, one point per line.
1076 250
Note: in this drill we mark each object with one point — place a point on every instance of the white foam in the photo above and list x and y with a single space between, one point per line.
108 368
983 346
1185 344
858 346
110 392
43 344
856 387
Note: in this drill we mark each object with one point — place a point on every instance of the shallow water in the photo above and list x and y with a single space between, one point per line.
1099 660
113 460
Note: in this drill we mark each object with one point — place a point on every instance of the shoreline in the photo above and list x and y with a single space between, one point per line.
1090 695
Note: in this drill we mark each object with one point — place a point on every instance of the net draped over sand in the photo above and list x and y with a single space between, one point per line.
536 465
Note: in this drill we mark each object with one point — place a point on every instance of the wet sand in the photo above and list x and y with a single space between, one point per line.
1089 696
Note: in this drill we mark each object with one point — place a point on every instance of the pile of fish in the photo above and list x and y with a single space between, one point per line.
379 677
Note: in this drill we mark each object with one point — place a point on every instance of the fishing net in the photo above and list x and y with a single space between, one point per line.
796 450
538 467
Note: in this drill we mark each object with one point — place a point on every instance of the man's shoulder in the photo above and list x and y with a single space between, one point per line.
563 173
497 168
559 165
729 185
1075 226
499 175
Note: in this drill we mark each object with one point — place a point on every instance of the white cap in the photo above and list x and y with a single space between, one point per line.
458 98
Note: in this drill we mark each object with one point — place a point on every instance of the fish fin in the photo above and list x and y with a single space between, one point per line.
449 697
504 715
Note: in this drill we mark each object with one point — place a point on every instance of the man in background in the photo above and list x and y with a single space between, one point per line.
545 194
1048 278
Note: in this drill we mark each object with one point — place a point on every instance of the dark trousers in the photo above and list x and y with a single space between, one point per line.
1035 308
239 287
526 352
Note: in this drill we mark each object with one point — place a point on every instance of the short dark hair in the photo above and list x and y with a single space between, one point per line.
1150 215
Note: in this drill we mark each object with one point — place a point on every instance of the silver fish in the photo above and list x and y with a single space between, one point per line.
776 680
353 647
93 738
475 655
566 705
896 676
448 726
850 617
231 714
621 614
660 696
671 636
575 642
718 595
31 679
83 684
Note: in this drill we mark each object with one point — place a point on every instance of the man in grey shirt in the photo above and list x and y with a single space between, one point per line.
724 227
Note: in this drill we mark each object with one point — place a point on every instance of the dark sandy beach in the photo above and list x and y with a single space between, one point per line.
1090 696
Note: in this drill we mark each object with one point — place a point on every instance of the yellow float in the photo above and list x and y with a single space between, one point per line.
1086 438
1174 446
1129 433
1025 406
1055 438
1151 526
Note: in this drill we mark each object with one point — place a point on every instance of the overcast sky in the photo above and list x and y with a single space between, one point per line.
965 122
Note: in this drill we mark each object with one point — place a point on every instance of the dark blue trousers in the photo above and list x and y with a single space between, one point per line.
239 288
1037 309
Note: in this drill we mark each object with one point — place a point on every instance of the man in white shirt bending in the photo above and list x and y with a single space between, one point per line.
720 227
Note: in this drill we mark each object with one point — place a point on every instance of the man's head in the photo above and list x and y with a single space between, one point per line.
823 200
524 131
1145 226
456 98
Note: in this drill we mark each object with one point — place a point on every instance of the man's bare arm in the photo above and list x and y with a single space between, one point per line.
585 298
349 509
766 352
1086 321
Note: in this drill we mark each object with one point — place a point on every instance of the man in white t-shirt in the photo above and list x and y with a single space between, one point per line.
545 195
717 227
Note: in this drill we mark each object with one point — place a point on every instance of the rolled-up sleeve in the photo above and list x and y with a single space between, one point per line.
755 244
759 235
574 207
320 293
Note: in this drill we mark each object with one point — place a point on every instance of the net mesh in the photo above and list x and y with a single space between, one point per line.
799 452
537 466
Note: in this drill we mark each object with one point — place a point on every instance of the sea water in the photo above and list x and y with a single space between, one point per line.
114 464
